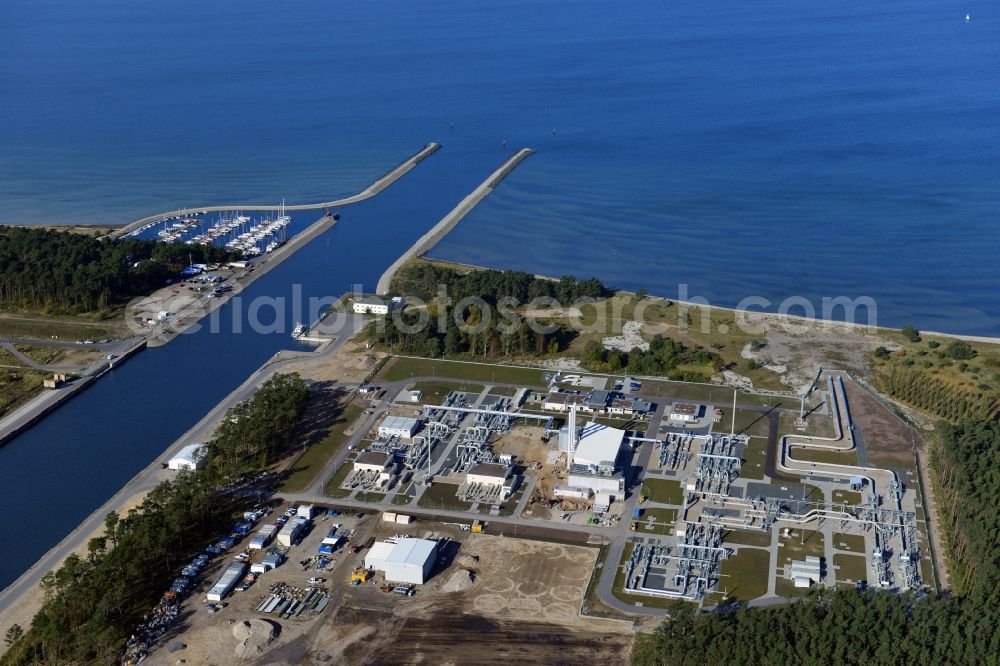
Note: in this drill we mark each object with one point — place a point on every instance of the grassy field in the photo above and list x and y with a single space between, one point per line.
744 576
750 423
663 491
369 497
846 496
852 542
663 521
433 392
799 545
823 456
66 329
754 456
851 568
332 487
747 538
399 368
302 473
401 499
442 496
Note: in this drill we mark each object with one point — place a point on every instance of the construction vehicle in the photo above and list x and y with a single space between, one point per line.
361 575
478 527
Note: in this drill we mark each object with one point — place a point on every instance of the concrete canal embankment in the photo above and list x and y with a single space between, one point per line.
426 242
32 412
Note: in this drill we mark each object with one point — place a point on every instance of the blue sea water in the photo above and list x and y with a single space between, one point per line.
769 149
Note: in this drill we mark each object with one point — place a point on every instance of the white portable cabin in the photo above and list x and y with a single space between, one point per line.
190 457
227 581
290 533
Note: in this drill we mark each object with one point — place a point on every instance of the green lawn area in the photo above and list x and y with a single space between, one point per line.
401 499
823 456
850 568
751 423
846 496
67 329
817 424
433 392
744 575
663 521
442 496
747 537
852 542
302 473
404 368
369 497
754 456
798 545
332 487
663 491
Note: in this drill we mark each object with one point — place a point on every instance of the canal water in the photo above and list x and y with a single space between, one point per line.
60 471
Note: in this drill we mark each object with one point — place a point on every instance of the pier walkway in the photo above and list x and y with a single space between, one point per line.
448 222
367 193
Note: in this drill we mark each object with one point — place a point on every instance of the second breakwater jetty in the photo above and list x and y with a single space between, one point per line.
448 222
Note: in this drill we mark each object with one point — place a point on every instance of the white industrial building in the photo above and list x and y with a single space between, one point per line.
190 457
403 427
379 462
375 305
492 475
806 572
593 454
403 560
685 412
599 445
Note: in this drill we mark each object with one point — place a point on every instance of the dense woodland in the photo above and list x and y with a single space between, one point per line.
876 628
488 330
424 280
92 603
65 272
664 357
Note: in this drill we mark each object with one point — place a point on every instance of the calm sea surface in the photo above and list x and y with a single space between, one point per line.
769 149
775 149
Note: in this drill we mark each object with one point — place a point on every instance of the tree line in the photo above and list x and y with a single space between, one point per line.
482 334
65 272
92 603
943 399
665 356
872 627
422 280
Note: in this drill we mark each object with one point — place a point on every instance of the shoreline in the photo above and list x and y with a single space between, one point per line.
41 405
794 318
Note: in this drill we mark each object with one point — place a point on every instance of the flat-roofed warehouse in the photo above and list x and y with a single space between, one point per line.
404 560
403 427
373 461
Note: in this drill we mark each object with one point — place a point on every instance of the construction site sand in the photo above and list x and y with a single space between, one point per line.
524 591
